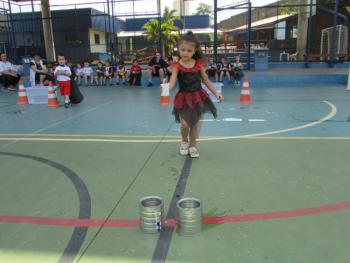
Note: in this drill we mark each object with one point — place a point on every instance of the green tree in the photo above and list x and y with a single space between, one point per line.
165 30
204 9
288 10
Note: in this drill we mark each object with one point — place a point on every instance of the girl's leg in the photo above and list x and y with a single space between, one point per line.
193 135
193 141
185 129
184 133
221 75
42 77
228 76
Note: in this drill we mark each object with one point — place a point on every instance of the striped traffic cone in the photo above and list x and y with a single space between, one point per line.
245 97
52 101
22 94
164 96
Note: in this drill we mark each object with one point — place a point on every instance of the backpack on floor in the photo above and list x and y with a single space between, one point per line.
75 97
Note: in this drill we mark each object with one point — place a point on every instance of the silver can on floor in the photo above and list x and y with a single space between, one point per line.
189 216
151 210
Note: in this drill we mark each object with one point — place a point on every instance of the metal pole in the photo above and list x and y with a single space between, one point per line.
105 27
348 88
114 34
7 28
184 14
160 29
13 36
215 31
23 33
334 31
309 38
249 31
109 29
33 24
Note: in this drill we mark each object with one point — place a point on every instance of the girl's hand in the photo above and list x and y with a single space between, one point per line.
219 96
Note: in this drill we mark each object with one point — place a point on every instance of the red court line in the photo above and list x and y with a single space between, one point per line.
129 223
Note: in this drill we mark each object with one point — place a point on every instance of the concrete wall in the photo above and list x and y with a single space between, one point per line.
97 48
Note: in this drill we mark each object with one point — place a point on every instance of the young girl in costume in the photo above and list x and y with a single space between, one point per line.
191 101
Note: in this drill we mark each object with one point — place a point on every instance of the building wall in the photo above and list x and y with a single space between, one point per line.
200 21
95 47
71 29
185 7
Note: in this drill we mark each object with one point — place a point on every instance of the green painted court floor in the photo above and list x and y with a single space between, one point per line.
281 197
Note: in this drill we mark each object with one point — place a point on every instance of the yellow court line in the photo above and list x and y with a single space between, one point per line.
153 139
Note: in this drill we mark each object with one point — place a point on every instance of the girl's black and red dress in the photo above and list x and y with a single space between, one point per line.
191 101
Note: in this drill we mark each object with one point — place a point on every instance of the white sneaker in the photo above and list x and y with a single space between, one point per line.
184 148
193 152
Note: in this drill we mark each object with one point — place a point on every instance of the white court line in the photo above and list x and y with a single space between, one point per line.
232 119
55 124
330 115
256 120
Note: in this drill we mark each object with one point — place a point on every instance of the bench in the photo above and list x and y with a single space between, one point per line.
326 56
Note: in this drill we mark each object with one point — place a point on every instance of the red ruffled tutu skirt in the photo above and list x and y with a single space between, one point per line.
191 105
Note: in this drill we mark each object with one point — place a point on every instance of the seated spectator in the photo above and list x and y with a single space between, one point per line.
237 70
100 73
135 74
168 70
121 72
212 70
156 67
88 73
8 74
109 71
78 73
39 74
52 72
225 69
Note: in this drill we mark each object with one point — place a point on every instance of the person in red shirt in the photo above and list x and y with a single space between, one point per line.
135 74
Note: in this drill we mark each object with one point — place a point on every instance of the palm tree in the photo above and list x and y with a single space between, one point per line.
204 9
166 31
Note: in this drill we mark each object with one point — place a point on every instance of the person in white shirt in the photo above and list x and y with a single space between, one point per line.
8 74
78 74
88 73
63 73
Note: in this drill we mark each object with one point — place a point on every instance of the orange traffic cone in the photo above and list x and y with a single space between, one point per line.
164 96
245 93
22 95
51 97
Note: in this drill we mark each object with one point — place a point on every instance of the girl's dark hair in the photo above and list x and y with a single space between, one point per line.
190 37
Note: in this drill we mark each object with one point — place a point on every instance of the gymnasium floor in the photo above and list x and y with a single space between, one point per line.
273 178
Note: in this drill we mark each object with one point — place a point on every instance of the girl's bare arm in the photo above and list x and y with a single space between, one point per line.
173 78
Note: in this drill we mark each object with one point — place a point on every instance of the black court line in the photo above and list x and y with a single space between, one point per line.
161 251
125 192
79 233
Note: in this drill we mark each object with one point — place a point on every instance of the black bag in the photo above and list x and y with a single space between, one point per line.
75 96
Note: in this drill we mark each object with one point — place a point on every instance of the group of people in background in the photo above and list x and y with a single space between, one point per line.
233 71
41 75
106 72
